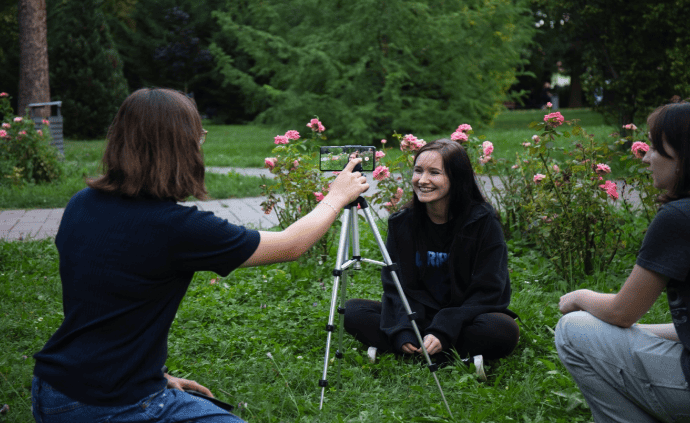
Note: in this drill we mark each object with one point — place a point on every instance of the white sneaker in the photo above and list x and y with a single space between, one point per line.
479 364
371 352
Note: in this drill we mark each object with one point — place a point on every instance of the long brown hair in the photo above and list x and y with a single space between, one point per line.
153 148
671 123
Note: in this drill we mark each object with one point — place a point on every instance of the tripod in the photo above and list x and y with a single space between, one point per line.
349 235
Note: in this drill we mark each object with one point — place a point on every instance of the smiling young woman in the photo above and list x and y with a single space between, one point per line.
453 267
640 373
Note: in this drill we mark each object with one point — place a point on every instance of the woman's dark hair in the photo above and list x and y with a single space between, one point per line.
464 190
670 125
153 148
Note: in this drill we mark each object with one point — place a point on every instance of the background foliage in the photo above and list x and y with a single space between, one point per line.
85 67
399 64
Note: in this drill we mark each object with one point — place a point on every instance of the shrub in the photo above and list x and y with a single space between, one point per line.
299 182
25 152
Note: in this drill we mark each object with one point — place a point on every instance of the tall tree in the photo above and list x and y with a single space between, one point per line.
34 83
368 67
633 54
86 71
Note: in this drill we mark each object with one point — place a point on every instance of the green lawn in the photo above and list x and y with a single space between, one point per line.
226 326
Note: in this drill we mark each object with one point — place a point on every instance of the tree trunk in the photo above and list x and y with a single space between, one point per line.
34 84
575 88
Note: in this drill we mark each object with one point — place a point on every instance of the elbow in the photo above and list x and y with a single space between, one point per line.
620 318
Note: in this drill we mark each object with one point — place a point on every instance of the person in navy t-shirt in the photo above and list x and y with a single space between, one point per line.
631 372
128 252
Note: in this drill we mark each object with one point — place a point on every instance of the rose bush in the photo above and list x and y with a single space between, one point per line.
562 200
26 155
298 185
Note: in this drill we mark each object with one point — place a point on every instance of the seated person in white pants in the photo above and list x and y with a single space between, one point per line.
629 372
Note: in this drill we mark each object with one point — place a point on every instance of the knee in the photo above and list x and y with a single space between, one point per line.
570 326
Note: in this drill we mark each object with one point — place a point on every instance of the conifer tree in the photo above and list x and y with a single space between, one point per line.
85 67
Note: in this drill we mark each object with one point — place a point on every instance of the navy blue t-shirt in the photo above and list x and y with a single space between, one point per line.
125 265
666 250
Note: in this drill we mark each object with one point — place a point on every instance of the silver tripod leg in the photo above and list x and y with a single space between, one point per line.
337 275
392 268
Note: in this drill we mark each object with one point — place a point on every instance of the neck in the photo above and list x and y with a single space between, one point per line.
438 213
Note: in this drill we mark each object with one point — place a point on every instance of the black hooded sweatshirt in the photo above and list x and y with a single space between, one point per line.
478 279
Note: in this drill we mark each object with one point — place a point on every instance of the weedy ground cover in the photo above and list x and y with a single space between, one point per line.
226 327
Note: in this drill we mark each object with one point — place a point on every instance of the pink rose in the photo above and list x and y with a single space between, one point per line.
4 94
536 139
639 149
556 168
45 122
555 119
610 188
292 135
39 132
526 144
538 177
281 139
270 162
295 165
484 159
409 142
459 136
3 133
464 128
383 141
6 125
603 169
18 119
22 133
380 154
319 196
488 147
417 144
381 173
316 125
630 126
549 105
515 166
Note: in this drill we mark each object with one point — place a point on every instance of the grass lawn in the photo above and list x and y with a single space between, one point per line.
226 326
249 145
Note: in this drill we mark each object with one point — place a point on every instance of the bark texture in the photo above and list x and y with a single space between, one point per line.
34 81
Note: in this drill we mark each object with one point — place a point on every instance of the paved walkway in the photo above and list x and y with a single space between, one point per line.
43 223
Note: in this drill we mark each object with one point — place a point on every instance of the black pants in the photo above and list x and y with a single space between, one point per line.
493 335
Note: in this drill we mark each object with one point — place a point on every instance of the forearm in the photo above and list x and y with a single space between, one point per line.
601 306
305 232
666 330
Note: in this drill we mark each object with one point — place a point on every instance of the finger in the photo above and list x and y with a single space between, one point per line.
195 386
352 163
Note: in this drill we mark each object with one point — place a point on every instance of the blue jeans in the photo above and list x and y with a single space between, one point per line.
626 375
168 405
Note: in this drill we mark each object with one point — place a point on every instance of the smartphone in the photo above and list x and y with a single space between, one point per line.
335 158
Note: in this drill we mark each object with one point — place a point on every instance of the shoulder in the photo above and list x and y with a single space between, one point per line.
400 217
679 209
481 212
